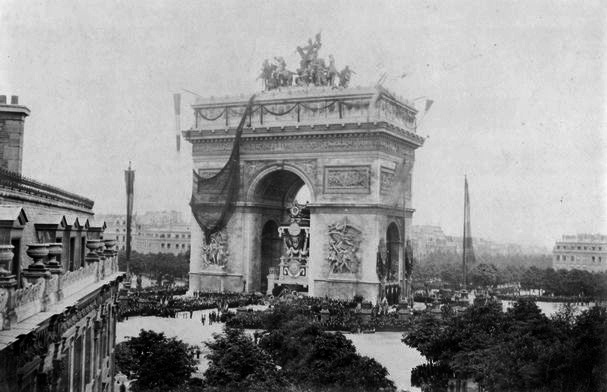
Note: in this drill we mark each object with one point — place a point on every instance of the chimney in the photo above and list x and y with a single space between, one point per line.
12 119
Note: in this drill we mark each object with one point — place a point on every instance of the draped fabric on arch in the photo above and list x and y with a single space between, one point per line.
213 199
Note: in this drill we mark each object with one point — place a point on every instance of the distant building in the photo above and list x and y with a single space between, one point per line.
57 309
583 251
173 239
153 232
428 239
116 228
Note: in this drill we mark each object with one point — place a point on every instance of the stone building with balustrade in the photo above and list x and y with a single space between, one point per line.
58 279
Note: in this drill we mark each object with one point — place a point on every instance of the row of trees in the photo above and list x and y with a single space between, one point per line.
522 260
292 355
569 283
518 350
156 265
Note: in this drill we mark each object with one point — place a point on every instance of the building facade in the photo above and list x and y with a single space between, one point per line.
58 280
153 232
173 239
116 228
582 251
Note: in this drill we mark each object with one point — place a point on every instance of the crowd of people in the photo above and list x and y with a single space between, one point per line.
330 314
164 303
352 315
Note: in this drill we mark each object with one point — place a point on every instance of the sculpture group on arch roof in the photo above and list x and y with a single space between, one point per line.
312 70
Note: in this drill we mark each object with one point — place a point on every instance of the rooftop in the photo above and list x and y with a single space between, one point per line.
18 184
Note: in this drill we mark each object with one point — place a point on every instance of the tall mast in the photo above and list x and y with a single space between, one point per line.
467 249
464 277
129 178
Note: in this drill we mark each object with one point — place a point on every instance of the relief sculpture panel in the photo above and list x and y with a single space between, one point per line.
347 179
344 248
215 252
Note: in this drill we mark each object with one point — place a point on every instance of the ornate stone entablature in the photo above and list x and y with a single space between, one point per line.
364 137
295 108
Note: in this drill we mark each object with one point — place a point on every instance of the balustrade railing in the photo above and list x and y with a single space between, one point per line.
17 305
3 302
73 281
28 300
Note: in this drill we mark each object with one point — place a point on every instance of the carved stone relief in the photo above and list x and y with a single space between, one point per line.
347 179
215 253
386 180
344 248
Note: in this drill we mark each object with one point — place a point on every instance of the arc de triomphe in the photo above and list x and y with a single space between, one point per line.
352 148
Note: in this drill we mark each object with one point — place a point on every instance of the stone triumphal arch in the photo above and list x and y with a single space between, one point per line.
351 149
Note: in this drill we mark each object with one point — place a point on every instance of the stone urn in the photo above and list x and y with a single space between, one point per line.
37 252
109 247
6 256
101 251
93 246
55 250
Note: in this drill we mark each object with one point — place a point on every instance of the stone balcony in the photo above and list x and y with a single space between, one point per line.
300 107
49 290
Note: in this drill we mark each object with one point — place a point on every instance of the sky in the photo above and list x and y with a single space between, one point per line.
519 91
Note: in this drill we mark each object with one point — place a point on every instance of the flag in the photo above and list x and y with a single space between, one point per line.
468 251
129 178
213 199
429 104
177 103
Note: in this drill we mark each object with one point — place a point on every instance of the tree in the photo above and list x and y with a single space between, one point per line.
237 364
314 359
483 275
155 361
519 350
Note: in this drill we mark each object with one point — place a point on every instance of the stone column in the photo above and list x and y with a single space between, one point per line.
8 284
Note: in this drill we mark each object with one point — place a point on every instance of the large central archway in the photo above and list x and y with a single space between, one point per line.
273 193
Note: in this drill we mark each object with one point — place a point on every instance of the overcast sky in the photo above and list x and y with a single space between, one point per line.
519 93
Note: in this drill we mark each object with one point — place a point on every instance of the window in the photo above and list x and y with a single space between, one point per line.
162 245
558 257
579 248
593 259
168 246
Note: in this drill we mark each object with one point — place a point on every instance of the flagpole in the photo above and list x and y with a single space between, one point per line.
464 271
129 177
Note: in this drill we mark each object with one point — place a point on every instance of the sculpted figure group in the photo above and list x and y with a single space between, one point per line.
312 70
